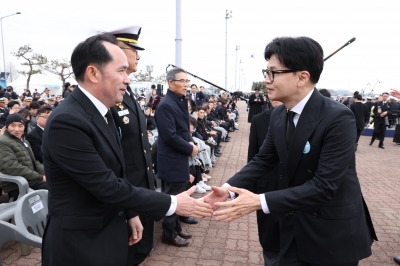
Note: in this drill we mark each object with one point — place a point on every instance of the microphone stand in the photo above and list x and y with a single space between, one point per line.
347 43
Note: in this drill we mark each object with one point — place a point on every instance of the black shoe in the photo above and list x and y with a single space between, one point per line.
207 172
177 242
184 235
217 154
372 142
355 147
227 140
188 220
397 260
381 146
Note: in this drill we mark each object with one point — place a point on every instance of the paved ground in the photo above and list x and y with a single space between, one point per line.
236 243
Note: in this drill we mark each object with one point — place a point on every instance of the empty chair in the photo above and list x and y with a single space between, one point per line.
10 232
31 211
7 209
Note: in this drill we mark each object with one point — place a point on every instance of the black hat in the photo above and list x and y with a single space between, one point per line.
15 118
129 35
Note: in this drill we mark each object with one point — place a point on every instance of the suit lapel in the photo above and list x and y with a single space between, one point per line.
309 120
280 133
131 104
99 122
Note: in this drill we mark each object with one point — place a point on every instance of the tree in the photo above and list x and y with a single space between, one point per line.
13 72
59 68
144 76
260 84
32 60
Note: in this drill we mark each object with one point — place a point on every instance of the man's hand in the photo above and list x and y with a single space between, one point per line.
213 124
137 230
195 149
395 93
246 203
218 194
384 114
188 206
44 178
191 178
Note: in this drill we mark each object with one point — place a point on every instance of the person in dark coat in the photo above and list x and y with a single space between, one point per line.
85 169
131 124
174 147
154 98
35 136
197 96
368 106
381 111
319 205
256 102
359 110
268 229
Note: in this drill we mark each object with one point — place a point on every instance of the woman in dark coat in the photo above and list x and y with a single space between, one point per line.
154 99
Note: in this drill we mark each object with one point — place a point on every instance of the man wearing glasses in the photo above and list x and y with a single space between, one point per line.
319 206
175 145
35 136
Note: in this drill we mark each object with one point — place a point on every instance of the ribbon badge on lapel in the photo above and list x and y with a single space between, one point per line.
307 148
125 119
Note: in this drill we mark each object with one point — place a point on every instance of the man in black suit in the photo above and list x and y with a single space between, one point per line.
382 110
35 136
132 127
360 111
85 169
268 229
256 101
196 96
368 105
319 205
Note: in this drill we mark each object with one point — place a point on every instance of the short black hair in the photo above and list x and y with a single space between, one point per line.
44 109
193 85
91 51
12 103
198 108
355 93
385 93
34 105
325 93
358 97
153 86
193 121
301 53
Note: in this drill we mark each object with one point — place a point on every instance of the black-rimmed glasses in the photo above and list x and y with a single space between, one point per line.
182 80
271 73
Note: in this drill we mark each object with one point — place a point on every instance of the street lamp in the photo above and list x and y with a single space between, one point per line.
237 48
228 15
2 41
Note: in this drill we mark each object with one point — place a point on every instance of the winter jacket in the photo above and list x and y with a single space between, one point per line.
17 159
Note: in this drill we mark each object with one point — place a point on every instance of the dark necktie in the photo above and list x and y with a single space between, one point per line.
290 127
111 124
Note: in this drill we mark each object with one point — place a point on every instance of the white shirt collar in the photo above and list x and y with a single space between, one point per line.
99 105
298 108
40 127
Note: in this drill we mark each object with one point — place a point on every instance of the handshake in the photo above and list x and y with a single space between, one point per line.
245 203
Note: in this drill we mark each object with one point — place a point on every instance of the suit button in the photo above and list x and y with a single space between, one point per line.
315 215
151 148
148 168
120 214
144 151
152 165
142 135
280 176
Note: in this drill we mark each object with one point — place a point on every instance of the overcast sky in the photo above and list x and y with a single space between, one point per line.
53 28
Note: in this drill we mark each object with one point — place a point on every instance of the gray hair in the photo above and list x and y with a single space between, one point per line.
171 74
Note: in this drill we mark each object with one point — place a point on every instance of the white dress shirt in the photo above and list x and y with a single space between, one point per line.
103 111
298 109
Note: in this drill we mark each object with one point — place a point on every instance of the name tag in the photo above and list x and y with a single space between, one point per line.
123 112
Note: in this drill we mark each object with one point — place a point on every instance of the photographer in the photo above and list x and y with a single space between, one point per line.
256 102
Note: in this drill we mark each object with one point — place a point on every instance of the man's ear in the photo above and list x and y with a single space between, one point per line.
92 73
304 77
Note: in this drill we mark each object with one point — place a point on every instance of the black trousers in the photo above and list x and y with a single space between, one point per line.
35 185
379 133
291 258
171 224
137 253
358 134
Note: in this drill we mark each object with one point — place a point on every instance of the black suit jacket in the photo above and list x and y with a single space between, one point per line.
385 107
319 203
35 139
88 191
360 111
268 228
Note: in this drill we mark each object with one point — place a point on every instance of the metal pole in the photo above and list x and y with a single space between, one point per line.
178 39
2 42
237 48
228 15
240 75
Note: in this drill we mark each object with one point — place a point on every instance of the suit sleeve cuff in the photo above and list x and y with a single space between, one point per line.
264 205
230 193
172 208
